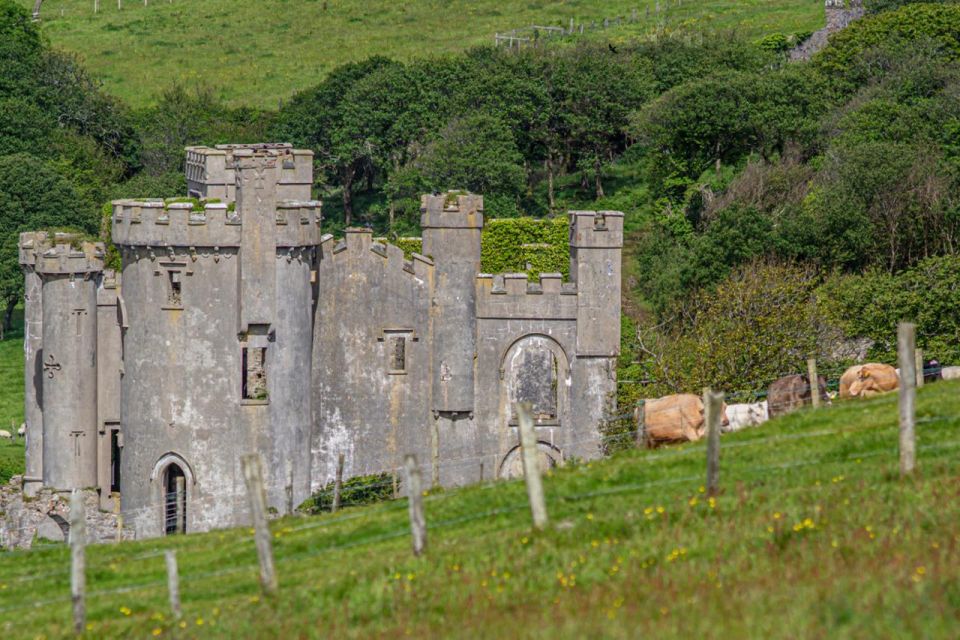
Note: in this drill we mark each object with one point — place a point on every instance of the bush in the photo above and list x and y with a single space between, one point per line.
871 305
355 492
511 245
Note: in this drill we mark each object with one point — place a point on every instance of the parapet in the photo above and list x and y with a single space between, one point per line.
63 254
451 210
514 296
212 224
596 229
109 289
359 243
210 171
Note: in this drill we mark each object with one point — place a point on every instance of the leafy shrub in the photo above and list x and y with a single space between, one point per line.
356 491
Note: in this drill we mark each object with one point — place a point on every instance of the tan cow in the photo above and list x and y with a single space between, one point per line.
675 418
867 380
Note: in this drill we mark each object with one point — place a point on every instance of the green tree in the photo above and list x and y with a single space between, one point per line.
33 196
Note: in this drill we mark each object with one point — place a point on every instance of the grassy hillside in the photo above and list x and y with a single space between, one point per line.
256 52
813 536
11 397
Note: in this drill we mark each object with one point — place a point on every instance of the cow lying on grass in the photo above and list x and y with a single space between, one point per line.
868 380
789 393
674 418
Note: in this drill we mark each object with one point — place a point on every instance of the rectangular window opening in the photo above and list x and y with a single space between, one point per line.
174 292
254 380
398 353
115 450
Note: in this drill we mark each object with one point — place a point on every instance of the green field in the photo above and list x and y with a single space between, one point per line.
256 52
11 397
813 536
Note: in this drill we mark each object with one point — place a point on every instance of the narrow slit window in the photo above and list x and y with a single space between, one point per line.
398 353
254 381
174 291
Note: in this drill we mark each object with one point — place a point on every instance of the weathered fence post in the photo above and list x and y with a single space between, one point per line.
288 489
116 512
530 453
906 343
173 582
918 360
712 414
814 382
435 455
639 419
181 502
418 522
337 485
253 477
78 565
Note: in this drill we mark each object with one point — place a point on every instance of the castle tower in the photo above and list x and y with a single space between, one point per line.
70 272
30 244
211 171
596 244
216 349
452 224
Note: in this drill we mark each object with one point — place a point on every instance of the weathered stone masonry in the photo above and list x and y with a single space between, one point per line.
236 327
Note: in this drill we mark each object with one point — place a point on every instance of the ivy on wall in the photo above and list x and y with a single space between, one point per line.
534 246
515 245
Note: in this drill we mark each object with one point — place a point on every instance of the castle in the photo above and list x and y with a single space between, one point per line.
839 15
236 327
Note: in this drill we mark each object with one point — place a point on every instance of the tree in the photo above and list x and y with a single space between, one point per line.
477 153
34 197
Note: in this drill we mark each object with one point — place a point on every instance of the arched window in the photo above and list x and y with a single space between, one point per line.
535 371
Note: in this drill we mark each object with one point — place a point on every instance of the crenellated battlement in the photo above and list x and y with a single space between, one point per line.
156 223
514 296
60 253
211 171
451 210
358 242
596 229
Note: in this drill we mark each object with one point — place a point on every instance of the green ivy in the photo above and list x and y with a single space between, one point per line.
534 246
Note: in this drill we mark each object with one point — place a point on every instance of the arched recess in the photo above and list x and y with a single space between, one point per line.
535 369
172 504
511 466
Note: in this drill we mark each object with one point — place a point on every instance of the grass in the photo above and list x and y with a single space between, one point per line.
11 397
257 52
813 536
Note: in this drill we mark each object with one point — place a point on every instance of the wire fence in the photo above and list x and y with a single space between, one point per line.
291 554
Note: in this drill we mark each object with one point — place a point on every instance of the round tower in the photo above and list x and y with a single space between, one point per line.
30 244
69 271
217 344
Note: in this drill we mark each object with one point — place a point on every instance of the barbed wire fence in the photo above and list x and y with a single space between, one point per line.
295 538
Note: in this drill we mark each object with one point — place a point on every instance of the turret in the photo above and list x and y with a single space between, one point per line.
30 244
211 170
70 272
452 224
596 242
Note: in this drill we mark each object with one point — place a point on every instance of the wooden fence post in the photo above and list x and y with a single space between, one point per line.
435 455
288 489
712 414
116 511
337 485
906 343
418 521
181 502
173 582
918 360
253 476
78 568
530 453
814 382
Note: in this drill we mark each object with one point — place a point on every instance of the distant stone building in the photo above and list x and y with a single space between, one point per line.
839 15
239 328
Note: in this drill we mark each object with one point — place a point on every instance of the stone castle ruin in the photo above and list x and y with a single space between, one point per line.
236 326
839 15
